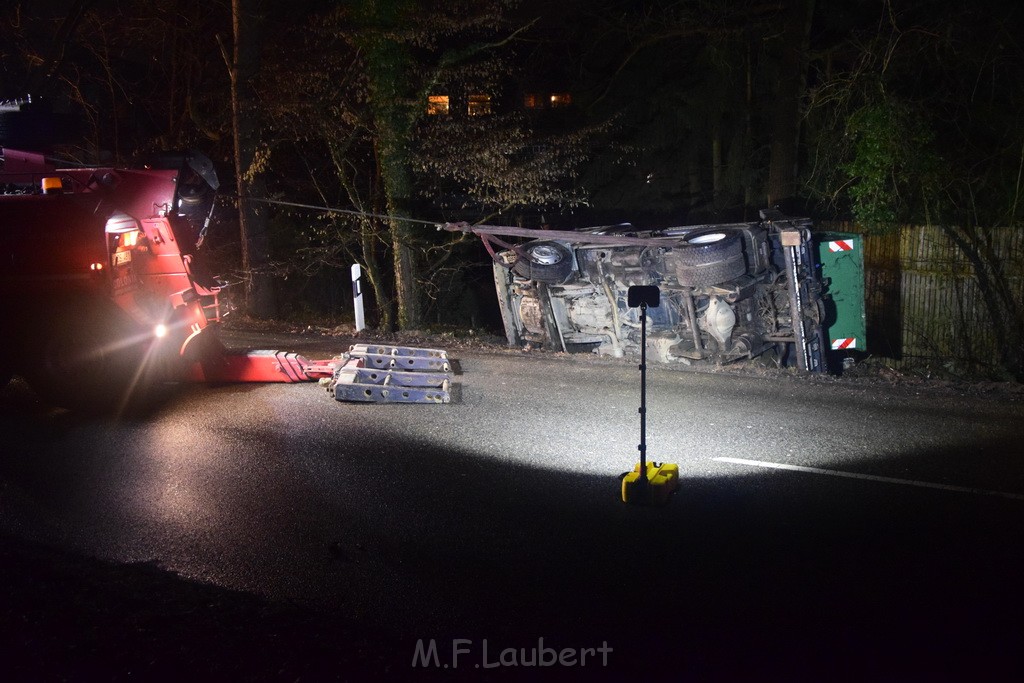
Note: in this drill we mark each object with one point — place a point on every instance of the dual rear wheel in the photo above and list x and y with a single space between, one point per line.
709 257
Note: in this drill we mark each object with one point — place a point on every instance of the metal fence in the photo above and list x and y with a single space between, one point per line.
923 305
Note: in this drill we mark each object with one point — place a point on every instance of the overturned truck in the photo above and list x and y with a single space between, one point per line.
728 291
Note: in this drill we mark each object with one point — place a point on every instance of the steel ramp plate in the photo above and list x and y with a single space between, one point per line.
375 386
396 378
401 357
386 350
392 374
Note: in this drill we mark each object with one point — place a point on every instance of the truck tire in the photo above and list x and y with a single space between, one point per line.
709 257
545 261
86 356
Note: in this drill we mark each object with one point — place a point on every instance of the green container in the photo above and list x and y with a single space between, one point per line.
841 255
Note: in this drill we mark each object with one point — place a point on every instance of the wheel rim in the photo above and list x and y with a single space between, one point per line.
545 255
707 238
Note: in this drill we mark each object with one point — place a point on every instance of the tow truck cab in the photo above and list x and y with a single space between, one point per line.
99 282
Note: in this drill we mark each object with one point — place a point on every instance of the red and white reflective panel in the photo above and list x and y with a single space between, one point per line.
847 343
840 245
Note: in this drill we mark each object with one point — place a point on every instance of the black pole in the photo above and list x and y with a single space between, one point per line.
643 394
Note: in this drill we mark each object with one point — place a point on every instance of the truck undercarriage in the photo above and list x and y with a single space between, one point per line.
729 291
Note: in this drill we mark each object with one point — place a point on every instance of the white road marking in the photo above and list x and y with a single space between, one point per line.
870 477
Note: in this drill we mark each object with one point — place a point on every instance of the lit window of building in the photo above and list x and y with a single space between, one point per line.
479 105
532 100
437 105
561 99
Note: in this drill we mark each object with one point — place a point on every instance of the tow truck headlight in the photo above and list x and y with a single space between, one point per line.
160 331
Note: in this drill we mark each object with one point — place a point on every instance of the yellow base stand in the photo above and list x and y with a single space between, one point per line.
662 481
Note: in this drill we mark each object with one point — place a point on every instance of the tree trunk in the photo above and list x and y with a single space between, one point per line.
694 183
259 299
397 180
790 52
748 128
368 240
394 107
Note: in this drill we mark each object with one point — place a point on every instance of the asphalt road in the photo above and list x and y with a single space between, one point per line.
269 532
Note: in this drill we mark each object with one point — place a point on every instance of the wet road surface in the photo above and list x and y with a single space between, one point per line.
345 541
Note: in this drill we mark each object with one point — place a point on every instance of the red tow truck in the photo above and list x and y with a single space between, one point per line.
104 293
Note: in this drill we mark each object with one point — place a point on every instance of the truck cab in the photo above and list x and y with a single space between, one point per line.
101 286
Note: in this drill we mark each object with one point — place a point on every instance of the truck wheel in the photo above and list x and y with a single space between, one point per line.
87 357
545 261
709 257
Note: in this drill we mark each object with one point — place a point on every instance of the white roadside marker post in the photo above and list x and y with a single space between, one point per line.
357 296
